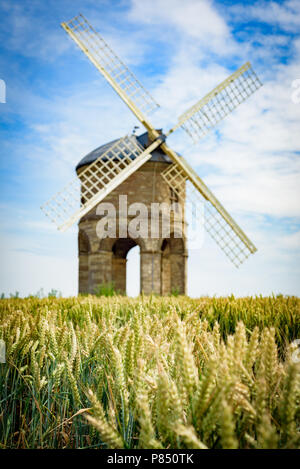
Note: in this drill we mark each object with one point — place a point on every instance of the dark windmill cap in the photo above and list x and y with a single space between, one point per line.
157 155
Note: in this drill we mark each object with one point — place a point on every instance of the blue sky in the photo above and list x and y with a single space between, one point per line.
58 108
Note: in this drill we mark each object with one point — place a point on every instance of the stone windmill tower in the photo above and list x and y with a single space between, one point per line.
145 169
162 260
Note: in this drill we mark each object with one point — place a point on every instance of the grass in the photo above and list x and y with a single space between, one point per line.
106 289
149 372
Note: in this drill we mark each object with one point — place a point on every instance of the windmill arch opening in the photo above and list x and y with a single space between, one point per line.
125 266
133 271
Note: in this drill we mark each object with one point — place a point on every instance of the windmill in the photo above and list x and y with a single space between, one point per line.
124 157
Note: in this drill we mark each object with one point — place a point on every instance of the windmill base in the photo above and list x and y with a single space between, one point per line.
163 260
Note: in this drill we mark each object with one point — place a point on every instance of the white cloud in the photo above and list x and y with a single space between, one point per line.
286 14
256 166
199 20
291 241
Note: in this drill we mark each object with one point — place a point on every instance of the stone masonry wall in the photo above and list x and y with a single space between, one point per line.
162 261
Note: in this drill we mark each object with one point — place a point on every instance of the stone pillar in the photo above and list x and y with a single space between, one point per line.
100 269
178 263
83 273
151 272
119 274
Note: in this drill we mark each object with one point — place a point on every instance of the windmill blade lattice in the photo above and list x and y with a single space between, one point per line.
126 156
109 64
217 104
96 181
236 248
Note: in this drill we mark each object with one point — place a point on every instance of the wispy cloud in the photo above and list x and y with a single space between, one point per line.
285 15
198 20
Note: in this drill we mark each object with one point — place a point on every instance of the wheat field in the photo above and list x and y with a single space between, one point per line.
150 372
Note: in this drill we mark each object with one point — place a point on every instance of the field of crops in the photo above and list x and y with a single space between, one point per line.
150 373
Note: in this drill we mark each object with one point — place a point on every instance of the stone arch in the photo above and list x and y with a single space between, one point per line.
107 262
106 244
120 249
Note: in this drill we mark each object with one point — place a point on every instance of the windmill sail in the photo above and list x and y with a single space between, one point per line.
108 63
217 221
96 181
210 110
